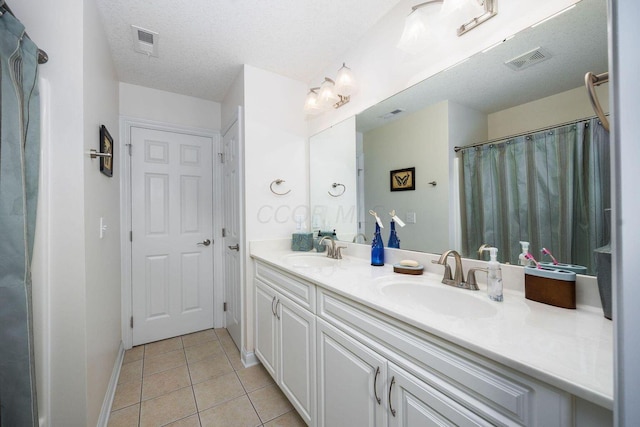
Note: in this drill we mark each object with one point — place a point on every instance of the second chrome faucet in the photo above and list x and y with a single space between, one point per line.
458 278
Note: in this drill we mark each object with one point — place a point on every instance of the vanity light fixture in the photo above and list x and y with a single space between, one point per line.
331 93
416 33
490 10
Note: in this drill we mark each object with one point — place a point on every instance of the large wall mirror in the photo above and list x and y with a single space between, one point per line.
527 85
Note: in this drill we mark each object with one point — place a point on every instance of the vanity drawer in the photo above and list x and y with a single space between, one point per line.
301 292
489 389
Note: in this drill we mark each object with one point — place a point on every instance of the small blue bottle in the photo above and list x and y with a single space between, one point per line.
394 242
377 248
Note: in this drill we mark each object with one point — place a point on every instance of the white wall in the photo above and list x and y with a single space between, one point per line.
332 159
76 312
418 140
553 110
625 62
383 70
101 199
59 258
274 147
166 107
232 100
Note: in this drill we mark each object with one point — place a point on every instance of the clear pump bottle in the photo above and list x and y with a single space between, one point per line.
522 258
494 280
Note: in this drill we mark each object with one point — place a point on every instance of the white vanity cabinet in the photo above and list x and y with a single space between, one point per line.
286 337
430 381
343 363
351 381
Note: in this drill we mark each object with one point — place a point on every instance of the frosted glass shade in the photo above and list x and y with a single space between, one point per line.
345 83
311 104
416 35
327 95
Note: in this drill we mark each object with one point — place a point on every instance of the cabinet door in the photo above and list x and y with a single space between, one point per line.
351 381
297 357
415 403
265 329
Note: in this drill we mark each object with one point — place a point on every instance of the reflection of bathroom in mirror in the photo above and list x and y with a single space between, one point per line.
481 99
333 189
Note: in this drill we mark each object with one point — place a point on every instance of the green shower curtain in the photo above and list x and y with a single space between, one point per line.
549 188
19 165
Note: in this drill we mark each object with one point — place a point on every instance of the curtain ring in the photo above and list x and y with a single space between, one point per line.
334 185
278 182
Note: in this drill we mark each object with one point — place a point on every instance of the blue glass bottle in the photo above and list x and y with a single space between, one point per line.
377 248
394 242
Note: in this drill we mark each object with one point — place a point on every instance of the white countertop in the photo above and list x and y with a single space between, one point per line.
569 349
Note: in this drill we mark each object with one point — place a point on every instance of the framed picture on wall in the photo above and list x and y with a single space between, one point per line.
403 179
106 147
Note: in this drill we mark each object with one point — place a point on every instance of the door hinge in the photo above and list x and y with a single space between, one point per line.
131 236
224 232
131 322
129 148
224 306
221 155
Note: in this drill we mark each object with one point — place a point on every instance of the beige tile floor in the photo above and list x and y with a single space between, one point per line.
197 380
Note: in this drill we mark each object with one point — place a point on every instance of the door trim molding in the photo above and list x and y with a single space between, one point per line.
126 124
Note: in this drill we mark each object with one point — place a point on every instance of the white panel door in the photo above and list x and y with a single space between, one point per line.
232 232
171 217
351 381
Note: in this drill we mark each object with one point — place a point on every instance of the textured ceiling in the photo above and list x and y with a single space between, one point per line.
203 43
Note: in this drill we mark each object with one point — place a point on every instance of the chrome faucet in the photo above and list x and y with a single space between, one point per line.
458 277
333 251
355 238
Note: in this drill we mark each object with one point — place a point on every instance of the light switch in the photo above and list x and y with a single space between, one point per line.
103 227
411 217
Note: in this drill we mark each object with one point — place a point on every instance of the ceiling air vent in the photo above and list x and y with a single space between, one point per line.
392 113
528 59
145 41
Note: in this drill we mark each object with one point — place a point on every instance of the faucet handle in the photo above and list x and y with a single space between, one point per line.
471 277
338 253
447 270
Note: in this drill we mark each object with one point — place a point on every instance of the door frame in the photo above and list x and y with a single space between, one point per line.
248 358
124 171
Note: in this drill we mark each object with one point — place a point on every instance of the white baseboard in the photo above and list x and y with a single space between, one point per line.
103 420
249 358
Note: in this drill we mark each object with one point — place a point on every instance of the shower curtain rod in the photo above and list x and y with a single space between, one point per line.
42 55
491 141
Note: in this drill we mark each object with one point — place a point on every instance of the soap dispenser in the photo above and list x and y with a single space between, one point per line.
377 246
494 280
522 258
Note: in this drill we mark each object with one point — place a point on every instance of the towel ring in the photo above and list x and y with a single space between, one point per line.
335 185
278 182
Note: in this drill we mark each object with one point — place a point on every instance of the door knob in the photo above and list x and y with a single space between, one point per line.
235 247
206 242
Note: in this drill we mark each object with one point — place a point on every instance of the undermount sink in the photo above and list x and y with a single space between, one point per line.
437 298
309 260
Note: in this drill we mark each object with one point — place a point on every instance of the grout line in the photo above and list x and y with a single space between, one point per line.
144 350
